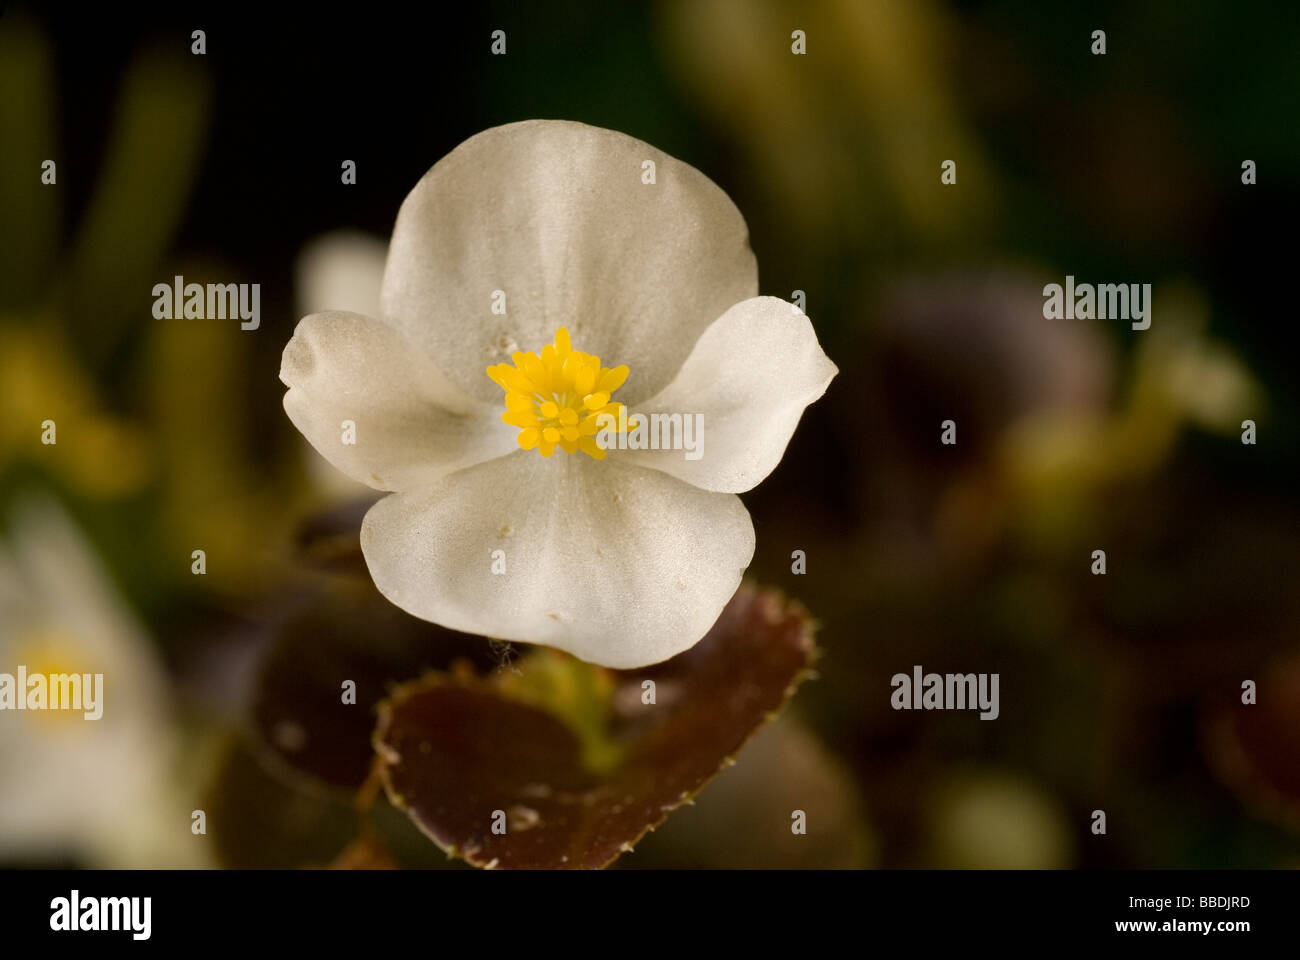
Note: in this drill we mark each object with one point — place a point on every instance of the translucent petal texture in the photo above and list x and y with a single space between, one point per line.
410 425
556 215
616 564
750 376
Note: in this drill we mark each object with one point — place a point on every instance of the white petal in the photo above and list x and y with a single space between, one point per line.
83 780
411 426
750 377
555 215
615 564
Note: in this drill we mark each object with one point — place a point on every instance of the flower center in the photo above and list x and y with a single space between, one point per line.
50 653
556 399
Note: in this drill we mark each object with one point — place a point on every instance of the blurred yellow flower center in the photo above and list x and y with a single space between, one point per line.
51 654
556 399
48 651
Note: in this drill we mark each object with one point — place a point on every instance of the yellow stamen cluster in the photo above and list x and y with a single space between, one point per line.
556 399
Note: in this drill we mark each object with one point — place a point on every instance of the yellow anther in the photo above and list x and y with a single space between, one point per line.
557 398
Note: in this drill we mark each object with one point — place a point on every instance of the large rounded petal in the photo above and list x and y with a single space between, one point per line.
749 379
410 426
556 216
615 564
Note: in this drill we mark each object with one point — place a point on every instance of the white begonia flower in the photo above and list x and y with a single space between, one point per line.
546 231
101 790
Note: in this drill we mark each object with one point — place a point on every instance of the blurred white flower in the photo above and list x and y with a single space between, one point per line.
341 270
524 233
100 790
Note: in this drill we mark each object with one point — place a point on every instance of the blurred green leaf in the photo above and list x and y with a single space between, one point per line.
140 196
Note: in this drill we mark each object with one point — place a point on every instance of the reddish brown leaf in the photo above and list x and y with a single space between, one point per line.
457 749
